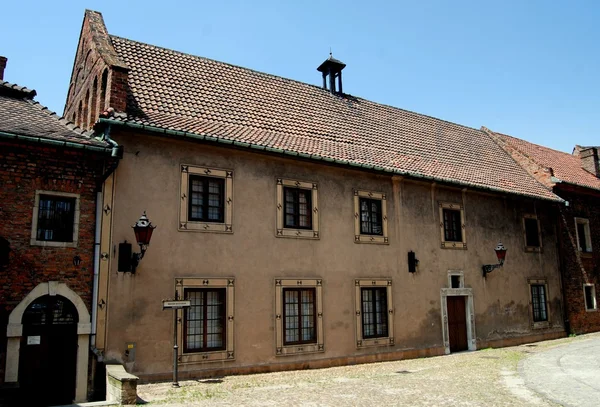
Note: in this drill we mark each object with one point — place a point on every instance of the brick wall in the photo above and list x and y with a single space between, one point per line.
23 170
577 269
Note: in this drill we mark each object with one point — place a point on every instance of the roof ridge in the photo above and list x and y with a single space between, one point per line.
534 144
345 95
27 93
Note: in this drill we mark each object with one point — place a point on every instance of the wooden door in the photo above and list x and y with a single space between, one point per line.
48 355
457 323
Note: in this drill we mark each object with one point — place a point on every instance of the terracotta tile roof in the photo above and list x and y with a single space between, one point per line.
566 167
20 115
176 91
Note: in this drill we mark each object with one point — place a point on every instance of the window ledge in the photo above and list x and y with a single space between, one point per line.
371 239
299 349
298 233
533 249
586 255
383 341
210 227
46 243
591 310
541 325
454 245
200 357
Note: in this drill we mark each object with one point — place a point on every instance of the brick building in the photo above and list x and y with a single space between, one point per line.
50 177
575 178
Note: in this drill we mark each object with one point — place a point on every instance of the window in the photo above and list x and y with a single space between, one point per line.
206 331
374 312
297 209
206 200
452 226
589 293
538 290
298 316
204 321
532 233
584 239
55 219
456 279
370 217
538 299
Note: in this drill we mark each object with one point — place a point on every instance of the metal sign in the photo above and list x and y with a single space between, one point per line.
176 304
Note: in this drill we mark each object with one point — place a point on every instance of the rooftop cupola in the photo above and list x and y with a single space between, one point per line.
332 68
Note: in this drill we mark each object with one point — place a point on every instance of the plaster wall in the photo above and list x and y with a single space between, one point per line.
148 179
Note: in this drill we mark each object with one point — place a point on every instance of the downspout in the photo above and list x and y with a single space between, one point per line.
117 152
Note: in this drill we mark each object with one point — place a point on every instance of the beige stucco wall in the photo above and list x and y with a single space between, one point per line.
148 179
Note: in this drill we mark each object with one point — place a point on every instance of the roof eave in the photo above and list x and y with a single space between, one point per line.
55 143
315 157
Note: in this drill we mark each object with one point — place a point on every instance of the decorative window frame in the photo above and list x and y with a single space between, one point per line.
34 221
369 283
460 274
186 225
374 239
532 249
280 284
469 309
449 244
181 283
281 230
587 237
594 298
540 324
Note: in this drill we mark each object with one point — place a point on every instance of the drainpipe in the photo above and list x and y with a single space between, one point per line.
117 152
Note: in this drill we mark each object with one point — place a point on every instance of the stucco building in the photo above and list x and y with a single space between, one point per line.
575 178
50 173
307 227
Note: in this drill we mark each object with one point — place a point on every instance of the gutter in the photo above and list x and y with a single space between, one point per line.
55 143
314 157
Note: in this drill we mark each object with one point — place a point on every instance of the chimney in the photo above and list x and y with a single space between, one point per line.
3 61
332 68
589 160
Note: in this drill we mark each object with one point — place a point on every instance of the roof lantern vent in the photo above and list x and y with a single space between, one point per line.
332 68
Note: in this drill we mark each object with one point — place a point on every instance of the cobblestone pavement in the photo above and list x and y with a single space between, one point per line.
487 377
569 374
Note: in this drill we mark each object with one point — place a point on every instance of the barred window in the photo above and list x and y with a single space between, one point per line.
204 321
452 225
299 314
206 199
297 208
56 217
370 217
538 300
374 312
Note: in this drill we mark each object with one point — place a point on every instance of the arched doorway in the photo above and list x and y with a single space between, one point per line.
48 354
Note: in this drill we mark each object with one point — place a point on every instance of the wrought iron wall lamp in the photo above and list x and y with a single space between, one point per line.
143 229
501 254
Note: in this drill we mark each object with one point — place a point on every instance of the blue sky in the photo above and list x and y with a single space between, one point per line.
527 68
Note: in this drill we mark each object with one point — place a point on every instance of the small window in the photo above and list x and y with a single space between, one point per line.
205 320
206 200
55 219
206 203
589 292
584 239
206 329
299 316
538 301
297 208
455 281
374 312
452 226
532 233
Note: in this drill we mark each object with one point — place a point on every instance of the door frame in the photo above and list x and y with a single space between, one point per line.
14 332
470 316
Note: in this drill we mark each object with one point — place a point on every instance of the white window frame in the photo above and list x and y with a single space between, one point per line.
359 284
455 273
281 230
318 346
588 236
594 301
228 354
186 225
34 221
373 239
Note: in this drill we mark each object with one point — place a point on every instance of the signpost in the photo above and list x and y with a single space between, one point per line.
175 305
